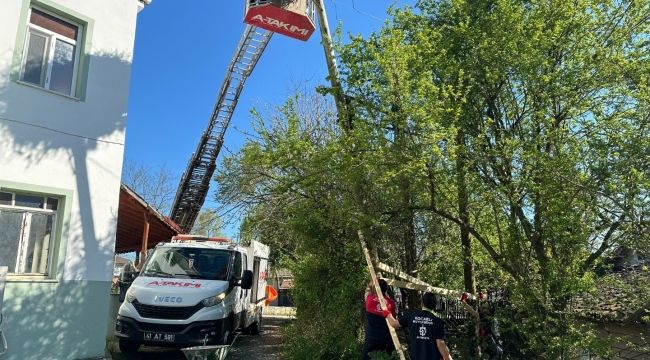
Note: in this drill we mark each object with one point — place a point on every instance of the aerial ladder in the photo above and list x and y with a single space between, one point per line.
294 18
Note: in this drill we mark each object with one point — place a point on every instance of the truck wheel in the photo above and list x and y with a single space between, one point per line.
227 338
256 327
228 331
128 347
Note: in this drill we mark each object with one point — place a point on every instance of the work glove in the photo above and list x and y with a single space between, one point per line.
464 297
385 313
481 296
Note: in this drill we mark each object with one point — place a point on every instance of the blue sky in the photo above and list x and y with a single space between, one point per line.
182 51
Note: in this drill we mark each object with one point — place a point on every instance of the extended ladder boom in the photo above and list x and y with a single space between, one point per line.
195 181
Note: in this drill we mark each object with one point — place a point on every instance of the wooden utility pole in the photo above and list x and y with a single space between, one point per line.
332 67
343 114
145 239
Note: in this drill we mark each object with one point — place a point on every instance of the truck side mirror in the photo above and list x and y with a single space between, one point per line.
247 280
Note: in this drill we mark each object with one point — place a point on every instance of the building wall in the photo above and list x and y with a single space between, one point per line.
72 147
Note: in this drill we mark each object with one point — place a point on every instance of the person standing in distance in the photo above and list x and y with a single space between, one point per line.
377 333
489 328
427 331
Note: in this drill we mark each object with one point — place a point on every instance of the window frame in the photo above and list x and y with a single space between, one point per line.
238 262
27 213
52 37
60 237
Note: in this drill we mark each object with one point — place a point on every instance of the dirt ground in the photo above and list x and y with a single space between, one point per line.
266 346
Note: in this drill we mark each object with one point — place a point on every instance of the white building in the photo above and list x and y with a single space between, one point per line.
64 79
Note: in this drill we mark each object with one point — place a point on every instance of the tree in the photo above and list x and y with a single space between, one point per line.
286 180
208 223
156 186
503 140
527 127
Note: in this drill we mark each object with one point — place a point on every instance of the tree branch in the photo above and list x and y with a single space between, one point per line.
604 245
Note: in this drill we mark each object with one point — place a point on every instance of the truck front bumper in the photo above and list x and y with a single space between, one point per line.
184 334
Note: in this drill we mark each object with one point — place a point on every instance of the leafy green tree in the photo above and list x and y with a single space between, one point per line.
286 182
492 144
208 223
527 128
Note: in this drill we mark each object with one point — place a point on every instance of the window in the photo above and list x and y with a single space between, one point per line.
51 52
26 232
184 263
238 265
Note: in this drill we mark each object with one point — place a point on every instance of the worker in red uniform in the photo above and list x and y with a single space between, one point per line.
377 333
427 331
490 340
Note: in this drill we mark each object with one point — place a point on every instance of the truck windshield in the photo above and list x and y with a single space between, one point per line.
194 263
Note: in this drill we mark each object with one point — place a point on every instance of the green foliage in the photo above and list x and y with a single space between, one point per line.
521 123
380 355
329 311
286 183
531 118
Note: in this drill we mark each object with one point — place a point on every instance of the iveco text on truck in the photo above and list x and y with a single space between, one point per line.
194 289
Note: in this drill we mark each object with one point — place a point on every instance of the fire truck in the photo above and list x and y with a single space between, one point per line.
192 291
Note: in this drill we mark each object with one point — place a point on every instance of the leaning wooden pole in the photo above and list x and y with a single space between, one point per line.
393 334
332 67
342 111
417 284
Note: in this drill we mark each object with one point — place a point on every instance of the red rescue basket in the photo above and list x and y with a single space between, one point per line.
293 18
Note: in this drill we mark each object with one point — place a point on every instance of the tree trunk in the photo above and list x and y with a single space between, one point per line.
463 214
409 257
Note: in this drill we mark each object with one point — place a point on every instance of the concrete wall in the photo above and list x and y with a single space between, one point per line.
278 311
113 308
73 147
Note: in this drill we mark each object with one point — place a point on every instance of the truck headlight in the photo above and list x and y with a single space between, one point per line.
129 297
214 300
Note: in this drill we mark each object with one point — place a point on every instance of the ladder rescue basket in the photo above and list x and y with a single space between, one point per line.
293 18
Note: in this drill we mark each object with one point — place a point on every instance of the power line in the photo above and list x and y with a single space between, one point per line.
61 132
357 10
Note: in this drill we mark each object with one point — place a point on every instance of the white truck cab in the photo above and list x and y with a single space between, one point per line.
194 289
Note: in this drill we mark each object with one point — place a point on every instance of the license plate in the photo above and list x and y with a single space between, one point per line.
159 337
